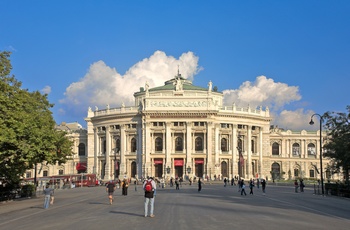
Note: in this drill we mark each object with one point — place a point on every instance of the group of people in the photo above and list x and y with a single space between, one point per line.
111 186
300 185
242 186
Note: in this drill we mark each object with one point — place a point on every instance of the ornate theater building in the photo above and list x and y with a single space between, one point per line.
182 130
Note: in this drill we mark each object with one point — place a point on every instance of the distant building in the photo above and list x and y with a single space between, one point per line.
182 130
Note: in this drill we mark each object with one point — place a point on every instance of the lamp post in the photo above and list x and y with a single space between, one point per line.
311 123
240 159
115 163
188 170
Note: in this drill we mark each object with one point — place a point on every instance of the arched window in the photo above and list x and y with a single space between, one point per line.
199 144
311 149
158 144
275 171
275 149
296 172
296 149
133 145
224 169
178 144
81 148
224 147
133 169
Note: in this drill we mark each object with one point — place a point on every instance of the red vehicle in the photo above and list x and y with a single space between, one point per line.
61 181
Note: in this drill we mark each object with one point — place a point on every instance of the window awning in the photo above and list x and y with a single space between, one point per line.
199 161
81 166
158 161
178 162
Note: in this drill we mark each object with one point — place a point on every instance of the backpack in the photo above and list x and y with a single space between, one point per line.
148 186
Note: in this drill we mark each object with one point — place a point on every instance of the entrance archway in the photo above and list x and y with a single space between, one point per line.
224 169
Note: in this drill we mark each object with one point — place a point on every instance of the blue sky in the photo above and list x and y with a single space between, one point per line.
292 56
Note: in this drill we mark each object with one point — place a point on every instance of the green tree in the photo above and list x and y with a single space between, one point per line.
338 143
28 134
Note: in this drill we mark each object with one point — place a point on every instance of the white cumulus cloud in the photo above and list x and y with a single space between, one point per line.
264 91
103 85
294 120
46 90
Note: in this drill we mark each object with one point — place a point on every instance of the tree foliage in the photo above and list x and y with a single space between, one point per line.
338 142
28 134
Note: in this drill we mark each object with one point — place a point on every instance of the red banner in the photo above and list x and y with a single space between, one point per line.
158 161
178 162
199 161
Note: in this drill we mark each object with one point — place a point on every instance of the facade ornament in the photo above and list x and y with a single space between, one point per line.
96 108
178 84
146 86
210 86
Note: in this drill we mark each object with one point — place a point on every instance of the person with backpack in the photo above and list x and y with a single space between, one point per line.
149 186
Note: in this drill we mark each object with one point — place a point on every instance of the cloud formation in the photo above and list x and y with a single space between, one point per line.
103 85
264 91
46 90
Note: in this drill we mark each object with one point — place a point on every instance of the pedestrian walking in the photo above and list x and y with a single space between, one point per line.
47 192
110 188
225 182
302 185
257 183
125 186
263 185
149 186
243 188
199 185
251 186
177 184
239 185
296 186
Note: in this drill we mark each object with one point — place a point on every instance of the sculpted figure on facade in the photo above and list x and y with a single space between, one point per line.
210 86
178 84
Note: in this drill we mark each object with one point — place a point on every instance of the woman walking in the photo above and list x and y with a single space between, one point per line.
47 192
199 185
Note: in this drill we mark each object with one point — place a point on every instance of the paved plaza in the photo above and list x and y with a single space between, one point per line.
216 207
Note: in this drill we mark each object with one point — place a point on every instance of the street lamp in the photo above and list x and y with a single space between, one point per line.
188 170
311 123
168 170
116 150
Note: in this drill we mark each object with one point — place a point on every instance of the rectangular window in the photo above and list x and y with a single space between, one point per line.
45 173
312 173
28 175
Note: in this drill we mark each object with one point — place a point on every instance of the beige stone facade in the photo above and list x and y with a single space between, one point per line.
182 130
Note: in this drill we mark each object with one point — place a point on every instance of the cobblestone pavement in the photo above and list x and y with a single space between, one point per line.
215 207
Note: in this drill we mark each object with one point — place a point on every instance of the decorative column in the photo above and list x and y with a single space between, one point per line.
189 145
168 149
260 151
249 151
139 149
123 144
108 171
96 153
217 144
234 151
209 146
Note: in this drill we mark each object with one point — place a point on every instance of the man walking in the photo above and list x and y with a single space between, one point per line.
149 186
110 188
